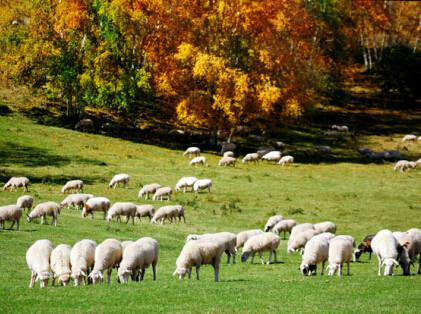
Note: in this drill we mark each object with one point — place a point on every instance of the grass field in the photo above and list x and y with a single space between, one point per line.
360 198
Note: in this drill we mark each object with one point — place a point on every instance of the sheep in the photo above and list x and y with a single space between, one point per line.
45 209
227 161
184 183
76 200
414 249
226 239
82 258
198 161
286 160
347 237
326 226
25 202
202 184
73 185
96 204
145 211
407 246
15 182
403 165
252 157
323 149
340 252
341 128
300 228
192 151
258 244
180 213
385 246
118 209
60 264
168 212
409 138
364 247
272 221
118 179
161 193
272 156
107 256
316 251
299 240
10 213
285 226
148 189
198 253
243 236
229 154
150 249
38 261
84 124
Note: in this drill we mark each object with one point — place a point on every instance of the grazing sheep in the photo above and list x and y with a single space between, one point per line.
184 183
252 157
73 185
385 246
145 211
107 256
243 236
10 213
364 247
118 209
326 226
299 240
60 264
96 204
406 250
316 251
340 252
25 202
403 165
45 209
198 253
124 244
148 189
84 124
198 161
118 179
229 154
300 228
202 184
272 221
15 183
226 239
348 238
272 156
164 213
38 260
76 200
151 249
341 128
284 226
192 151
227 161
414 249
163 193
258 244
82 258
409 138
286 160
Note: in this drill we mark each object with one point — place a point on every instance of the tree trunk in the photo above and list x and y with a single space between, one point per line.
364 51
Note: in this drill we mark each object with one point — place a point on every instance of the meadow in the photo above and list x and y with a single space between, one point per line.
361 198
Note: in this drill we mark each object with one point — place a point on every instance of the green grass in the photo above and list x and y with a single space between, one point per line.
360 198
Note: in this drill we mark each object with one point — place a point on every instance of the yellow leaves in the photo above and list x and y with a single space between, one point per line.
164 86
268 95
185 53
293 109
70 15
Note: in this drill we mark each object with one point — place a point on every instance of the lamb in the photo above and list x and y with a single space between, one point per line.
148 189
184 183
118 179
252 157
73 185
272 156
227 161
409 138
286 160
341 128
45 209
60 264
162 193
340 252
168 212
403 165
192 151
145 211
198 161
385 246
326 226
82 258
284 226
107 256
300 228
118 209
76 200
272 221
25 202
202 184
364 247
316 251
38 260
229 154
16 182
96 204
243 236
414 248
299 240
227 240
198 253
10 213
258 244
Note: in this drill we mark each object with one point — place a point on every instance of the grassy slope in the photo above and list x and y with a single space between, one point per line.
361 199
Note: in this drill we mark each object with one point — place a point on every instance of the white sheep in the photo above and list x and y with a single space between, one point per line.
403 165
60 264
347 237
243 236
118 209
38 261
196 254
227 161
192 151
252 157
76 200
299 240
326 226
300 228
107 256
45 209
258 244
409 138
168 213
385 246
82 258
145 211
286 160
414 249
316 251
227 240
341 128
73 185
202 184
272 221
84 124
284 226
340 252
228 154
272 156
163 193
10 213
184 183
118 179
16 182
148 189
201 160
150 248
96 204
405 242
25 202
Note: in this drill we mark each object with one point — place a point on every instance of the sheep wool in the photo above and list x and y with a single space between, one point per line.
82 258
38 261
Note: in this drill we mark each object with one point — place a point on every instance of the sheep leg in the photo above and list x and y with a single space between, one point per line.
54 280
154 271
109 275
340 270
127 219
252 258
197 272
32 281
369 256
42 219
228 256
189 273
55 221
419 267
17 224
323 268
285 235
274 253
380 266
261 258
347 267
270 257
13 223
133 220
215 265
